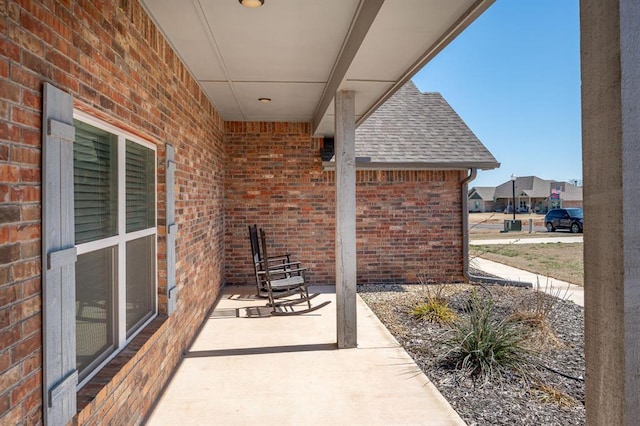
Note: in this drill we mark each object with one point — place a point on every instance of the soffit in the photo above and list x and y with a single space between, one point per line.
299 52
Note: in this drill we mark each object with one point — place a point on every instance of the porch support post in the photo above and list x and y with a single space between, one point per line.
610 57
345 153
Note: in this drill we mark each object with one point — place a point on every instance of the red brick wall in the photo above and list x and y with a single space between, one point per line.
117 66
274 178
408 222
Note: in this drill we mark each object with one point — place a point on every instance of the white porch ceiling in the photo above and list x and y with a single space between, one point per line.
300 52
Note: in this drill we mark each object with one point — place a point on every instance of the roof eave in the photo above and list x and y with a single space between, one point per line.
470 15
366 165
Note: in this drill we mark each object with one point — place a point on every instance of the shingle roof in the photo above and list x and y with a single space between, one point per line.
530 186
422 129
570 192
535 187
482 192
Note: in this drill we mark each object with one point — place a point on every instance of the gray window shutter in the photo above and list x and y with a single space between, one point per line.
172 229
58 257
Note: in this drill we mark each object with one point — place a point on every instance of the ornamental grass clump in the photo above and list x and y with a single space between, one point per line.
434 310
485 347
435 307
534 311
552 395
536 308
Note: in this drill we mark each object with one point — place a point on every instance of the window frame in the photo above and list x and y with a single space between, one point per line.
121 238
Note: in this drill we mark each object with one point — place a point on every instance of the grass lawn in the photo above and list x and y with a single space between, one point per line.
562 261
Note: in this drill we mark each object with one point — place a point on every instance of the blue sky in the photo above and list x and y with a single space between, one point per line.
514 78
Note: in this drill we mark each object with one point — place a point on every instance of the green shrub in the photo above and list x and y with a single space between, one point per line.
484 347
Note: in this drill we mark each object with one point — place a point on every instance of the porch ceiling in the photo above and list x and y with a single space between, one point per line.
300 52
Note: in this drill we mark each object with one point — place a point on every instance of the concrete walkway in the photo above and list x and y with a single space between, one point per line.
564 289
527 240
287 371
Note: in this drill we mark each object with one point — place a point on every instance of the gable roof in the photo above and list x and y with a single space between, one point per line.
419 130
529 186
535 187
482 193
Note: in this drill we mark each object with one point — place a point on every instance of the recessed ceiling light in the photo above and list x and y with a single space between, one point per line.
264 100
251 3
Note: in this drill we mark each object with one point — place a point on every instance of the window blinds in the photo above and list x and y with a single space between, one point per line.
140 187
95 183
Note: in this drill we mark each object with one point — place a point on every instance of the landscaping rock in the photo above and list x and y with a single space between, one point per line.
545 398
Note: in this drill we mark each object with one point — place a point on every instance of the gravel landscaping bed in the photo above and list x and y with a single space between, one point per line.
545 398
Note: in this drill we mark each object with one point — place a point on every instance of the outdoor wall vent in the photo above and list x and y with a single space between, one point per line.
327 149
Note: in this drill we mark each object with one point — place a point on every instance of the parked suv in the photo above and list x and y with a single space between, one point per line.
564 219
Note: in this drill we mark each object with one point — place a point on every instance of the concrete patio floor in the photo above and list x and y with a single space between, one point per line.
287 371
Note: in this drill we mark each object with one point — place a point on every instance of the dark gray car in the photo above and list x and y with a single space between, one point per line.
570 218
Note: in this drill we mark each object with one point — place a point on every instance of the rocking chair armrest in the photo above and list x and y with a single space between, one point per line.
284 265
286 271
280 265
281 271
282 256
276 262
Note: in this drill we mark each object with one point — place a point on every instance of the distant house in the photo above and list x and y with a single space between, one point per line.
481 199
532 194
569 195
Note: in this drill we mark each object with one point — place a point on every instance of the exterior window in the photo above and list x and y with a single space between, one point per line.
115 235
141 212
95 175
95 274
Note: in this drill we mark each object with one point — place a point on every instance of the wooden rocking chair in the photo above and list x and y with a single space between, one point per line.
259 264
282 278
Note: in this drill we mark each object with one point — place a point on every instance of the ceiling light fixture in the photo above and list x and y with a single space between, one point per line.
251 3
264 100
